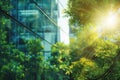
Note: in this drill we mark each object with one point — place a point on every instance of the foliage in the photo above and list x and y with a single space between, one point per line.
84 12
34 63
59 62
10 64
84 69
15 64
90 45
5 5
92 55
10 59
84 43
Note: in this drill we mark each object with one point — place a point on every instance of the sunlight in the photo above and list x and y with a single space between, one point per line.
107 23
111 20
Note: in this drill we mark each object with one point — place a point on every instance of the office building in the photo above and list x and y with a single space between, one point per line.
41 16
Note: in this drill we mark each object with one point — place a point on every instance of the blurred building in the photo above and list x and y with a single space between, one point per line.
29 14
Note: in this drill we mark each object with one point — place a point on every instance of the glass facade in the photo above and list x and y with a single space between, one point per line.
29 14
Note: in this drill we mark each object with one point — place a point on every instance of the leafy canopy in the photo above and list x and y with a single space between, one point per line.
90 11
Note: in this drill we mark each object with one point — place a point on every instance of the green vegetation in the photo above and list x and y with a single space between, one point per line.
91 55
95 49
88 11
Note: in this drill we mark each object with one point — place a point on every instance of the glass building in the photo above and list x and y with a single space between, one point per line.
26 20
41 16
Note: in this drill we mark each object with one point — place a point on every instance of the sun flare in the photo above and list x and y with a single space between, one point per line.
111 20
107 23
